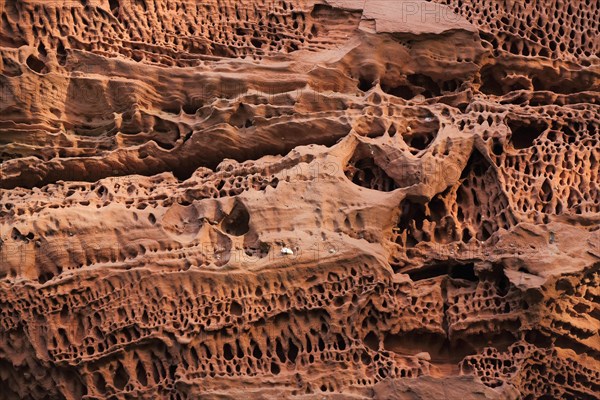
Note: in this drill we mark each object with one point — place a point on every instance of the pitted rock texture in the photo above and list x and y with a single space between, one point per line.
305 199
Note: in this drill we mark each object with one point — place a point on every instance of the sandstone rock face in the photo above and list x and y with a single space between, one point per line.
312 199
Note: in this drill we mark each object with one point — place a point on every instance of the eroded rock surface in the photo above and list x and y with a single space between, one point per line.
299 199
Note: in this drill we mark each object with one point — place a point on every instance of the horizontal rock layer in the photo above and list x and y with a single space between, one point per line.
299 199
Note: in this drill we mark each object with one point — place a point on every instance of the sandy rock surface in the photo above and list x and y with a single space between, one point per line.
299 199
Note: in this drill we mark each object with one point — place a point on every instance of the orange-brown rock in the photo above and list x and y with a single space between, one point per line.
311 199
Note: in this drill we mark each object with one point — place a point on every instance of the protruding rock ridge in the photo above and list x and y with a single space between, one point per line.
299 199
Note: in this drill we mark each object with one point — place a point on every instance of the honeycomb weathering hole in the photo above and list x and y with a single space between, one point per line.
114 6
524 133
237 222
364 171
174 223
471 209
418 140
36 64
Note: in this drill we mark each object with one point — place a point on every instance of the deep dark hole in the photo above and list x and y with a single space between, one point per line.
502 284
437 208
36 64
42 49
279 351
372 341
239 350
172 370
455 271
292 351
418 142
497 148
524 133
466 236
141 374
256 43
547 192
392 130
237 223
439 347
341 343
121 377
538 84
114 7
428 272
518 86
369 175
365 84
45 277
321 10
61 53
256 352
538 338
464 271
489 82
569 135
191 108
274 368
402 91
236 308
164 145
411 211
477 165
431 87
99 382
227 351
451 85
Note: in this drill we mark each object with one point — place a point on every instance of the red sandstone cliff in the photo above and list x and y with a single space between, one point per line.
332 199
